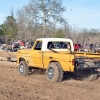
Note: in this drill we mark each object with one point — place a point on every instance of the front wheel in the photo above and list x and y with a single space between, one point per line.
23 68
54 72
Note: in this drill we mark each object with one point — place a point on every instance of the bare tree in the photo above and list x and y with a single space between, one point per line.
44 12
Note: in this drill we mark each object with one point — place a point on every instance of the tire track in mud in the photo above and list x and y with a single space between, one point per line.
36 87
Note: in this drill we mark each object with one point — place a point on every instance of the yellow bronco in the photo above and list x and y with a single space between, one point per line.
57 57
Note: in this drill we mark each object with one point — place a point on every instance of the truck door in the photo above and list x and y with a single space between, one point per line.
37 55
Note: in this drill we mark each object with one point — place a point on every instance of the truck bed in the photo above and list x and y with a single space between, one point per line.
87 55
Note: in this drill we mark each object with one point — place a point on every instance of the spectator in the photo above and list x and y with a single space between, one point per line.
61 45
22 45
50 45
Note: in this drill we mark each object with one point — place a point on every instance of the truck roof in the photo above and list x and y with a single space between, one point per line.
46 40
54 39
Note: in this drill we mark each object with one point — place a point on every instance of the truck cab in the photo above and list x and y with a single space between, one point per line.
41 50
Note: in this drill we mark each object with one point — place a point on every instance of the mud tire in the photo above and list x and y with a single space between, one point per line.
54 72
23 68
93 76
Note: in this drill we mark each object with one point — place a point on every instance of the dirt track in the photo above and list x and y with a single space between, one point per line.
13 86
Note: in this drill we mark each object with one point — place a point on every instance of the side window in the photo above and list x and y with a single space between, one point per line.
50 45
38 45
58 45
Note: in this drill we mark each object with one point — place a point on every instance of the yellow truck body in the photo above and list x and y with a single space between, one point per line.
40 56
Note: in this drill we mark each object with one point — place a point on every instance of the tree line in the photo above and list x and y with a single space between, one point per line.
43 18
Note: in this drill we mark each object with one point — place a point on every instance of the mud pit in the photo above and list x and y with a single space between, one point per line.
13 86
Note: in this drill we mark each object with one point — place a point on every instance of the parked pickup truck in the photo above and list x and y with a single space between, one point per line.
57 57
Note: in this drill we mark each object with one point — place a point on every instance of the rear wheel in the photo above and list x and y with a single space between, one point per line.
89 64
91 77
91 74
54 72
87 74
23 68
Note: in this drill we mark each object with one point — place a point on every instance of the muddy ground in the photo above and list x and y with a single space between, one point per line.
13 86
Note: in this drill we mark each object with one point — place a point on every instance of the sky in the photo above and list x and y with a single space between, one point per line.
79 13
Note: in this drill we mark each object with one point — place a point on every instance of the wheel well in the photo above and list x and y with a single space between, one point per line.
55 61
21 59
